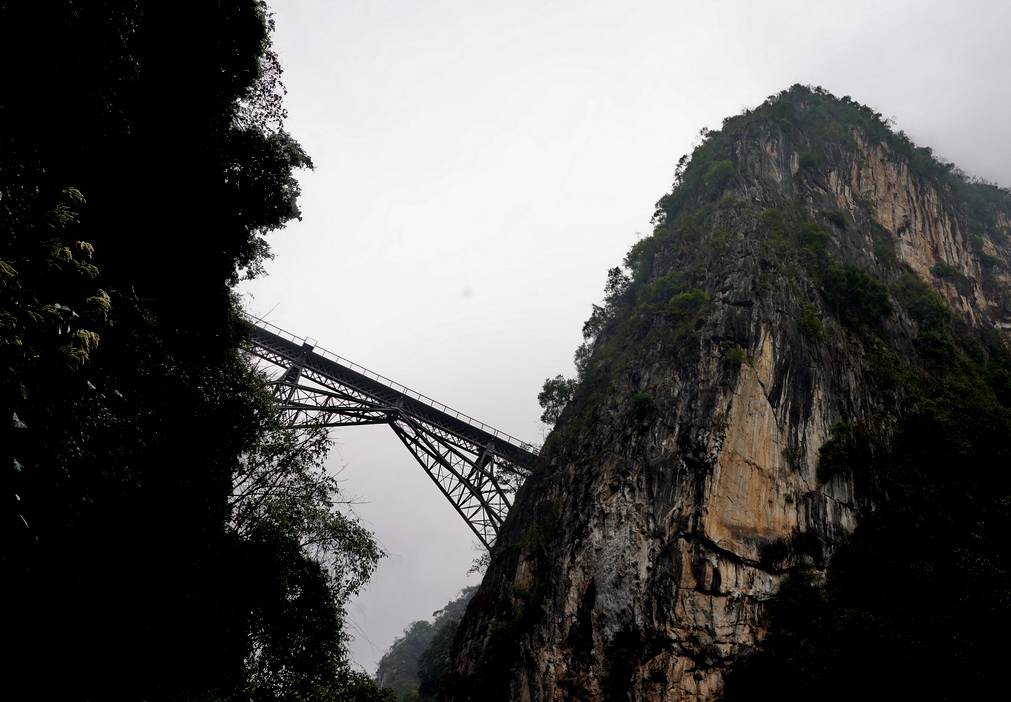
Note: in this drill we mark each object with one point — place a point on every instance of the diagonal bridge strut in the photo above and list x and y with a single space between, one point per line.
475 466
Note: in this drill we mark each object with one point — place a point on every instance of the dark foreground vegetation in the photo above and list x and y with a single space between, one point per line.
164 537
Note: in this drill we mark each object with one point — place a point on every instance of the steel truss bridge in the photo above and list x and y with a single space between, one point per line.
477 467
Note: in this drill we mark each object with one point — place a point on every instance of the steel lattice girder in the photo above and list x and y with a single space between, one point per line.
476 470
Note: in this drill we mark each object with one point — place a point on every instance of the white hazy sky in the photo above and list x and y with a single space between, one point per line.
480 166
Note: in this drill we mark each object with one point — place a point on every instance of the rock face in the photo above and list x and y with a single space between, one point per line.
682 480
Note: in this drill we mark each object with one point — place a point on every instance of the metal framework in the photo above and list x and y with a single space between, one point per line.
477 467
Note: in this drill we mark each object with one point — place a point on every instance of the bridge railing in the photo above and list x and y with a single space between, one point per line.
394 385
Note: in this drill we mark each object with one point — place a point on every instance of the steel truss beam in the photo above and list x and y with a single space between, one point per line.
476 467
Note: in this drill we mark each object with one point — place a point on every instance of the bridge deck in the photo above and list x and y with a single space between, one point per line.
298 350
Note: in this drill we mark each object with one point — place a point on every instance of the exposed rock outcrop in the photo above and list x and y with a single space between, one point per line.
682 481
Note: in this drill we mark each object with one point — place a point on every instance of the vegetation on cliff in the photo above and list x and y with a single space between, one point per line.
813 254
910 601
164 536
909 604
416 663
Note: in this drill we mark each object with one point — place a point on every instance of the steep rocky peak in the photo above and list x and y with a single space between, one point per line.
801 252
843 164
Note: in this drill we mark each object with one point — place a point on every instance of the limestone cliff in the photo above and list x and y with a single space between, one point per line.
682 481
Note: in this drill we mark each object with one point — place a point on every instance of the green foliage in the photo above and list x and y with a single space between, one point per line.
814 237
540 533
355 686
774 221
884 248
557 392
296 622
791 233
736 356
593 326
433 665
718 174
684 309
837 218
922 303
809 160
809 324
686 304
984 203
51 306
707 172
581 360
643 407
554 396
944 270
639 258
282 486
727 201
616 287
722 241
663 289
824 126
858 299
986 260
848 450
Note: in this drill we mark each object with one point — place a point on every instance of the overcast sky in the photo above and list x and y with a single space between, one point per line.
480 166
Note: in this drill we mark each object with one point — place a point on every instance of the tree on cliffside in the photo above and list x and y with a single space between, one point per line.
142 161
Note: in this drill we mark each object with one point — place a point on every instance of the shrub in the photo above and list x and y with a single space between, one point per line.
944 270
809 160
790 230
722 241
663 289
858 298
884 248
813 237
643 406
735 356
718 174
687 303
847 450
837 218
809 324
683 309
922 303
